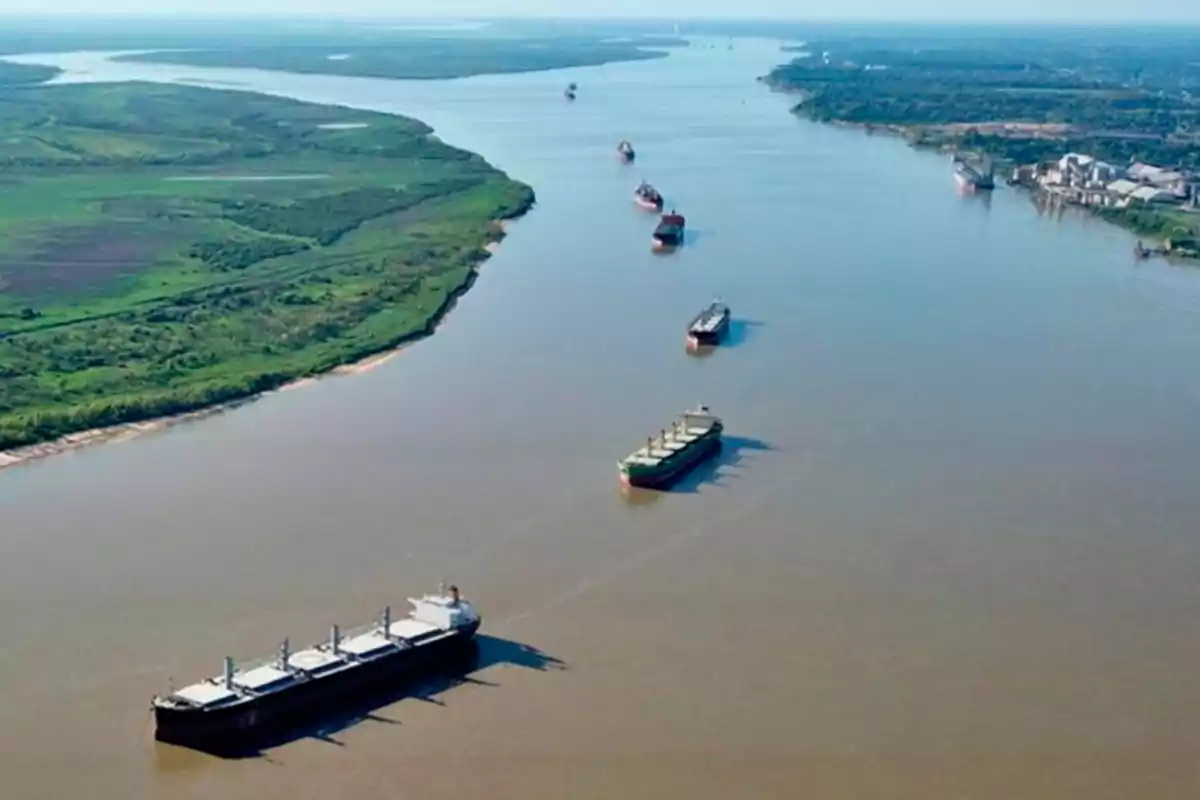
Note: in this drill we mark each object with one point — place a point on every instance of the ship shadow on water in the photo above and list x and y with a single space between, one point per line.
982 199
726 466
740 332
486 651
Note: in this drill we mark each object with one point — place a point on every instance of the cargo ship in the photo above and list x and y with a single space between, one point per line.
709 326
648 197
970 178
240 707
694 437
669 232
625 151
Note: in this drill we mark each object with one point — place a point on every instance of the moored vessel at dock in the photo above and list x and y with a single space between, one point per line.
243 706
694 437
709 326
971 178
648 197
669 232
625 151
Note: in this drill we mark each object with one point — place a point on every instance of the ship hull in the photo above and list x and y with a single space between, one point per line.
697 338
668 476
973 183
242 726
666 241
649 205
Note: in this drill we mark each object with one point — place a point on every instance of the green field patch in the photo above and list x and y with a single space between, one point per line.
131 287
16 148
79 259
100 145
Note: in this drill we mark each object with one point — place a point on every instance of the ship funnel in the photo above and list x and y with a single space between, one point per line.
228 676
335 639
283 655
387 622
454 596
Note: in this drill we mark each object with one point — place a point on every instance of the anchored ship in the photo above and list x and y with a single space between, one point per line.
709 326
625 151
694 437
648 197
669 232
242 706
971 178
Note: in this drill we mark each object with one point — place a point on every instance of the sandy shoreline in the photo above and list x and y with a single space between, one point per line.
131 430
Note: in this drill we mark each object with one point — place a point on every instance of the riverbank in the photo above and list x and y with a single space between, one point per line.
363 364
128 297
1026 102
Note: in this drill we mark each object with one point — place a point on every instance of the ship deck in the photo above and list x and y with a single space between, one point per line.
663 448
357 647
709 320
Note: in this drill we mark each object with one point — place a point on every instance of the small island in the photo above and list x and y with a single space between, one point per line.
1109 122
167 249
419 57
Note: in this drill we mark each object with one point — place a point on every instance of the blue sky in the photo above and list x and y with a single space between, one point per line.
1080 11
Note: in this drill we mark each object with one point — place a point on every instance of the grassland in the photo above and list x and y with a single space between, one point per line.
416 57
164 249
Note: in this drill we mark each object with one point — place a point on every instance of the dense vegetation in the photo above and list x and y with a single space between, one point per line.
1127 98
416 58
24 74
167 248
1021 97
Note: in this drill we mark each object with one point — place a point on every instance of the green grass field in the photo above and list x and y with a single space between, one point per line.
166 248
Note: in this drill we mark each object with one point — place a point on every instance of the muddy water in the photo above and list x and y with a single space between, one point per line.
951 551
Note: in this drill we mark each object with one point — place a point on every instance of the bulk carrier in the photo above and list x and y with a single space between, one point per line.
709 326
240 707
648 197
669 233
971 178
694 437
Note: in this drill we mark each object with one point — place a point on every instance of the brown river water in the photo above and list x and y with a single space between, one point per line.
950 552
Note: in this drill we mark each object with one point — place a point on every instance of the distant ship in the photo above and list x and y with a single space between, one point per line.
648 197
971 178
569 92
240 707
694 437
669 232
709 326
625 151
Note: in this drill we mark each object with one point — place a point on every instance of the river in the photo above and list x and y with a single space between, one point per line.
951 550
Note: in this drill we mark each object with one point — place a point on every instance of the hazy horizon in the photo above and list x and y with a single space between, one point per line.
1078 12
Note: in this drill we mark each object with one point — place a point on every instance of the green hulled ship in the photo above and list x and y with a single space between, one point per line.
694 437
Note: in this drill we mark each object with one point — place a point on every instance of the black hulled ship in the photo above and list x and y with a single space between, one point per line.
669 232
241 707
710 325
